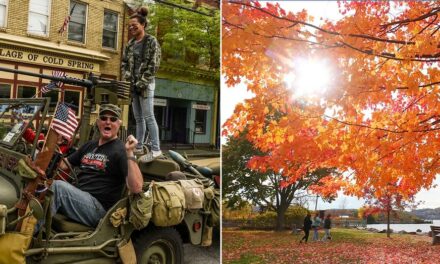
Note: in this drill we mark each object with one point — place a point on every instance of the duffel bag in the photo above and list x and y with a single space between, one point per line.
168 203
194 195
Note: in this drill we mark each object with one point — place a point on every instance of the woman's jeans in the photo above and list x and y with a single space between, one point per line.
315 234
143 110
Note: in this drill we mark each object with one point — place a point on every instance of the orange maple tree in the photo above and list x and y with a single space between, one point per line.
380 119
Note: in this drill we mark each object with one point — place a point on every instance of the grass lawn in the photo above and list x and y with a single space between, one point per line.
346 246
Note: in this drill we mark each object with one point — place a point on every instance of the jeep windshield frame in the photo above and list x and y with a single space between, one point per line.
16 115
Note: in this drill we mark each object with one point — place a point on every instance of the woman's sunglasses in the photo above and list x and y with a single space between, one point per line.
105 118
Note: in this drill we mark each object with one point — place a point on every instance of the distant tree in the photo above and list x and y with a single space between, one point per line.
185 36
389 201
267 189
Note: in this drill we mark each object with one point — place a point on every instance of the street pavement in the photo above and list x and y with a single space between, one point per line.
203 255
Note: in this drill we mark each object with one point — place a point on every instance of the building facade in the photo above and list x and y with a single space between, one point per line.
74 37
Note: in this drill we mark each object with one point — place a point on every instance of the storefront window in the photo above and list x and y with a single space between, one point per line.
72 99
38 22
110 29
26 91
3 12
53 95
77 24
200 121
5 90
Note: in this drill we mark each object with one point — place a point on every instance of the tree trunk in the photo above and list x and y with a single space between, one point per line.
388 222
281 212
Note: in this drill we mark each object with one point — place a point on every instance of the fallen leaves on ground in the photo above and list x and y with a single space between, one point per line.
347 246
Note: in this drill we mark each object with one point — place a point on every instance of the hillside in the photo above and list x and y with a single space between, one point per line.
428 214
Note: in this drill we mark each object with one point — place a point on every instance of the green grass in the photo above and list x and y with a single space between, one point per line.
248 258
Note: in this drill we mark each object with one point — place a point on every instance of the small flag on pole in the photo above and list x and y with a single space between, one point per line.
64 26
53 84
59 74
48 87
66 21
64 121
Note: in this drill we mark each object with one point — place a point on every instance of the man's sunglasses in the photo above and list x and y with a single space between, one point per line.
105 118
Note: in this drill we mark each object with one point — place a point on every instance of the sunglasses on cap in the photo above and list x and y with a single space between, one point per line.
105 118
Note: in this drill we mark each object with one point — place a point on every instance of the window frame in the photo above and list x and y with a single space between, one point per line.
49 8
116 32
85 21
6 14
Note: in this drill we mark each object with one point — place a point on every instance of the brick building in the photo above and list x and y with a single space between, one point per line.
30 40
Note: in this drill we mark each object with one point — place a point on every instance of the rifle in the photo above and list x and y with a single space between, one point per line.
40 168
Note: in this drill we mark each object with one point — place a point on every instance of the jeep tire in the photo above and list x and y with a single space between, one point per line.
155 245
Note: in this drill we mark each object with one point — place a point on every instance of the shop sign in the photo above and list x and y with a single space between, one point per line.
160 102
201 107
48 60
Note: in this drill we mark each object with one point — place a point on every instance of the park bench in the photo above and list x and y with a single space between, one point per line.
435 235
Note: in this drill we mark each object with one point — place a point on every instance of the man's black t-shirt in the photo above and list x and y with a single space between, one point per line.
102 170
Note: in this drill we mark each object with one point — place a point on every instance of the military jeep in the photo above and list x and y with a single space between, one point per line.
63 240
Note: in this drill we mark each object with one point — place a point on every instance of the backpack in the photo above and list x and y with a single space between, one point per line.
194 195
168 203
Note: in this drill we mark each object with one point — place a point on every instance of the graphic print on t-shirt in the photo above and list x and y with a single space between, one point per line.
94 161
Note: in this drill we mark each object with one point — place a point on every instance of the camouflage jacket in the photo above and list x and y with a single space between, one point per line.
149 65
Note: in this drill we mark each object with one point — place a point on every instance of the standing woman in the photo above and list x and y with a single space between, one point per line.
316 225
140 62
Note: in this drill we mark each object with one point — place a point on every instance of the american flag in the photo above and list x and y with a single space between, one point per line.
52 85
64 121
64 26
66 21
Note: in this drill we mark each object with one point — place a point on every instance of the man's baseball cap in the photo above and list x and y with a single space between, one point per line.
111 108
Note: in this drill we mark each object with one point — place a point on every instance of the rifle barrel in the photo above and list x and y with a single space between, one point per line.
68 80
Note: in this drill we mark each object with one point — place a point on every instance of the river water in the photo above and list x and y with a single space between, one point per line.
406 227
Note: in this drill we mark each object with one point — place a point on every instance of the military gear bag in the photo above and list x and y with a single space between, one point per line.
212 204
141 206
168 203
13 245
194 195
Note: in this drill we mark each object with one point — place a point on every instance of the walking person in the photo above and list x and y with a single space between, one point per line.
327 227
140 62
306 227
316 225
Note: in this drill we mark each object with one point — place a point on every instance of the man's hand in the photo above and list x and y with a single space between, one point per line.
130 145
134 178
